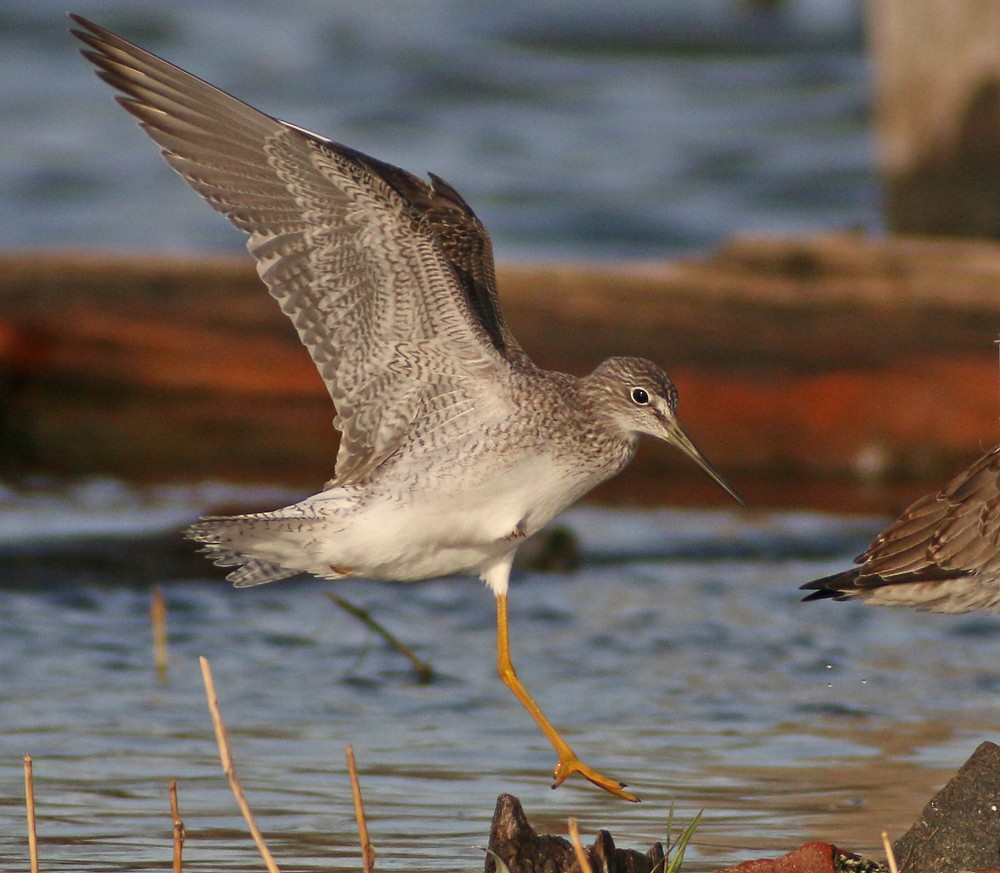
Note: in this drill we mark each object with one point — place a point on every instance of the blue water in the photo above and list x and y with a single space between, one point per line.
638 128
676 657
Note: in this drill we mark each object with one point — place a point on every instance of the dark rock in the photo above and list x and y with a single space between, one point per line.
960 828
553 550
514 841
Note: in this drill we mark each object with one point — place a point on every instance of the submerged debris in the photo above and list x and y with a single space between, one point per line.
517 844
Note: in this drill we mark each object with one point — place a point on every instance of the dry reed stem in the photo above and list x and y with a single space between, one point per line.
225 754
29 797
367 849
158 618
179 832
581 856
890 855
423 670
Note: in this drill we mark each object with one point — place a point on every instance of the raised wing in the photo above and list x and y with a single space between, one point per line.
388 280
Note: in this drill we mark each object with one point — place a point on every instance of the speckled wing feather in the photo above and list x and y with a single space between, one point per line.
388 279
950 535
943 535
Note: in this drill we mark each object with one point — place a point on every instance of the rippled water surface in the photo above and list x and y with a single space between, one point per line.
677 657
582 128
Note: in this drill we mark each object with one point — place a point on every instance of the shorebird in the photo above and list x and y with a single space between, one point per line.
942 554
454 446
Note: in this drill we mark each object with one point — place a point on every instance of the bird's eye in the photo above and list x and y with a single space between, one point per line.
640 396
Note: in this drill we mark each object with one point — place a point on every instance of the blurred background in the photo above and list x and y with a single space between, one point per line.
581 129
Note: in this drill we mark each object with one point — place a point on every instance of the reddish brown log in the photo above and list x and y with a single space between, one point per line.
866 369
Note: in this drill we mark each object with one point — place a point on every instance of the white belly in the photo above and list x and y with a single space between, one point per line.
424 533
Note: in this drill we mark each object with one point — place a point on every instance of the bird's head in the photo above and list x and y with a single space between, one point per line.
639 398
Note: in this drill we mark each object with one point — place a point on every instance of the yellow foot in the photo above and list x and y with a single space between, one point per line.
572 764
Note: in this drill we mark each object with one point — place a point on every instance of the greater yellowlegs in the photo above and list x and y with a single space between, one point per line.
942 554
454 446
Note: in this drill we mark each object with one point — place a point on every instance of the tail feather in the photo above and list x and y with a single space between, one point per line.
264 547
255 572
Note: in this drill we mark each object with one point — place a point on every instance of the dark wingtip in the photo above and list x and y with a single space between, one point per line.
85 23
824 594
829 587
92 35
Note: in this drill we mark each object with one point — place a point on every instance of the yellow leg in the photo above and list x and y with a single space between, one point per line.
568 761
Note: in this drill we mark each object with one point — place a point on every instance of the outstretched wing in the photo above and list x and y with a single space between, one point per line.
389 280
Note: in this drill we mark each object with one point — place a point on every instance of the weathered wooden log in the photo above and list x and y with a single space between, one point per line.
937 110
835 370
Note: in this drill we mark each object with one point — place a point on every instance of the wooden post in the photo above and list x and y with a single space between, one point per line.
937 112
